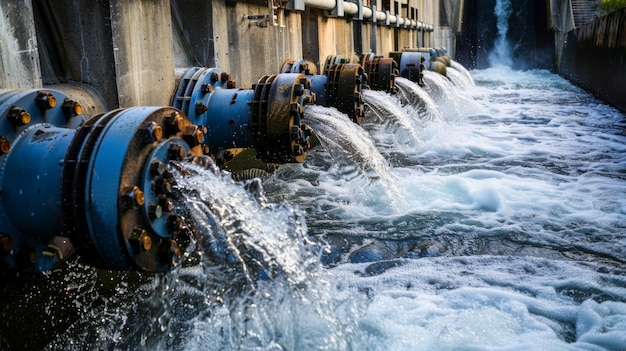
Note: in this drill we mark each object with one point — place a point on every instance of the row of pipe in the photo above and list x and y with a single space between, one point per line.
361 12
338 8
100 186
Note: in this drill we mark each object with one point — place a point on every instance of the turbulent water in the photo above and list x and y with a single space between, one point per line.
496 221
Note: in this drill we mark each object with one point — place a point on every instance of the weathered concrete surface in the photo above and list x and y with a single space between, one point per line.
142 47
19 59
594 58
561 22
131 51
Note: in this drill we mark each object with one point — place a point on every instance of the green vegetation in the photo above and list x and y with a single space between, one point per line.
612 5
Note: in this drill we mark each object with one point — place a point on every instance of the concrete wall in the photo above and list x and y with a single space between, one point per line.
19 62
129 53
594 58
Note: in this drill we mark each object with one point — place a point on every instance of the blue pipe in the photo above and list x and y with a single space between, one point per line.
36 128
268 117
411 65
99 188
340 86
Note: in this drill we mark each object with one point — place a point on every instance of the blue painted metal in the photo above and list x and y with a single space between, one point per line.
339 87
125 224
231 121
102 189
411 65
36 126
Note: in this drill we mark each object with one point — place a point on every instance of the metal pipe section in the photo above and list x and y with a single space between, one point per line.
411 65
99 187
340 86
436 60
352 9
268 117
381 72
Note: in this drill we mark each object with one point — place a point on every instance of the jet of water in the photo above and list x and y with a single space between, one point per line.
257 262
415 96
347 140
501 54
459 67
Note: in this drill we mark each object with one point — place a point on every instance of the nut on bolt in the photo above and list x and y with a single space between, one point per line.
150 132
71 108
176 152
201 108
133 197
298 90
18 116
224 77
166 204
175 223
194 135
174 122
5 146
162 186
141 237
157 167
45 100
155 211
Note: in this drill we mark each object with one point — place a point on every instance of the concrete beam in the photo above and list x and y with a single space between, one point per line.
19 57
143 51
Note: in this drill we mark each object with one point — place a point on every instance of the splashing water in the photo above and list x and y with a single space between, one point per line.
501 54
348 141
458 79
253 281
512 238
386 110
452 101
459 67
415 96
240 233
438 87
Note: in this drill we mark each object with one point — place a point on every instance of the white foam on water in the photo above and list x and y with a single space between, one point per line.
486 303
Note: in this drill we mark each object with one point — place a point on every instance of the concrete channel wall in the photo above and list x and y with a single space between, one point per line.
130 53
594 58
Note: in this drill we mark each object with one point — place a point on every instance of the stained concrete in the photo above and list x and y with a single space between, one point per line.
19 60
129 52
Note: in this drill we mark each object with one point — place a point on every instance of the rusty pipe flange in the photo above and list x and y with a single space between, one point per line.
111 180
195 86
295 66
381 72
333 60
343 89
277 110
